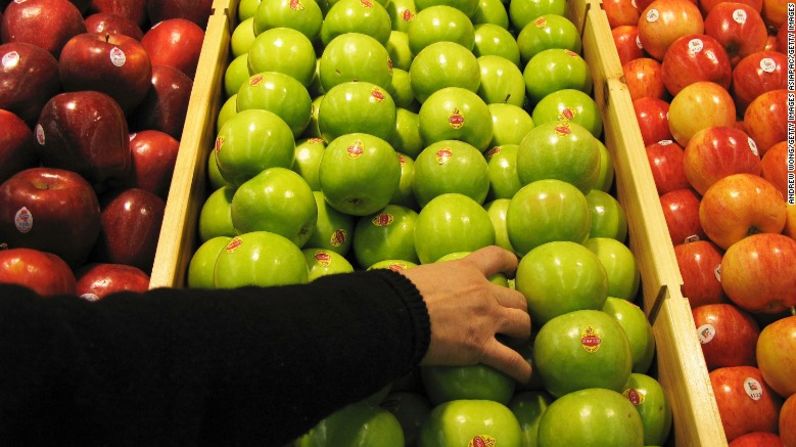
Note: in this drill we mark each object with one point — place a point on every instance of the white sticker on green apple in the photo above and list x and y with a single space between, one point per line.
768 65
706 332
753 388
653 15
10 60
23 220
118 58
739 15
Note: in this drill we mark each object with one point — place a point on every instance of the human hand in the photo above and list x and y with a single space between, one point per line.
467 312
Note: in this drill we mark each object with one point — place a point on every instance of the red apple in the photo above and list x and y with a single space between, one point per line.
96 281
694 58
782 38
745 402
758 273
131 222
664 21
51 210
42 272
48 24
790 222
707 5
175 43
103 22
114 64
728 336
757 439
643 78
194 10
627 43
85 132
699 264
775 12
787 422
653 120
776 355
756 74
739 205
681 211
766 119
166 104
738 28
699 106
666 163
16 145
715 153
774 167
154 156
28 79
132 10
621 12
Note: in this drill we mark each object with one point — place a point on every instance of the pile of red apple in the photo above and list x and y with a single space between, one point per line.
709 84
91 113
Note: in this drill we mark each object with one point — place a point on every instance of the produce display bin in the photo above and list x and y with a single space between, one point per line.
680 366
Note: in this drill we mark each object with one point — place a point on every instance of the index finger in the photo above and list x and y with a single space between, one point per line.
493 259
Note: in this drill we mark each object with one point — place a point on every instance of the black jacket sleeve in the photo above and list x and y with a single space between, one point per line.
251 366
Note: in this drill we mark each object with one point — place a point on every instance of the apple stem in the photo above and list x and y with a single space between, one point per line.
107 37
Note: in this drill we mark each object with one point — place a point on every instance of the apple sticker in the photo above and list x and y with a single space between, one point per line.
338 237
695 46
10 60
768 65
482 441
590 340
653 15
118 58
706 332
382 219
40 134
739 15
753 147
753 388
323 258
636 397
23 220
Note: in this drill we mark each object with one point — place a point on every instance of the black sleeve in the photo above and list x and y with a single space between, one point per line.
251 366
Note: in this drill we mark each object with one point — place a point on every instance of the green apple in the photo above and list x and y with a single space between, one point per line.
203 263
411 410
323 262
607 216
563 151
501 81
247 8
443 64
406 137
280 94
395 265
276 200
387 234
521 12
498 278
398 48
402 12
333 230
284 50
510 124
401 90
647 395
466 6
528 408
556 69
497 210
355 57
546 211
357 425
242 37
569 105
237 74
378 397
213 174
440 23
450 223
561 277
491 12
591 417
215 218
493 40
404 196
637 328
304 16
359 174
525 349
462 423
450 166
260 258
582 349
313 130
447 383
307 162
503 179
606 177
251 142
546 32
353 107
455 113
620 265
356 16
227 111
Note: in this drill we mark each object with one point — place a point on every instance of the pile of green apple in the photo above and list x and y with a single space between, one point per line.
362 134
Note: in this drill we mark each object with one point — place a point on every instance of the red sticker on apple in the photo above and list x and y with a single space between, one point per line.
570 53
296 5
10 60
338 237
322 258
636 397
653 15
492 152
382 219
315 140
219 143
233 244
739 15
456 119
590 340
90 297
355 150
567 114
256 80
563 130
407 15
23 220
443 155
366 3
753 388
118 58
482 441
706 332
377 94
396 267
540 22
40 134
